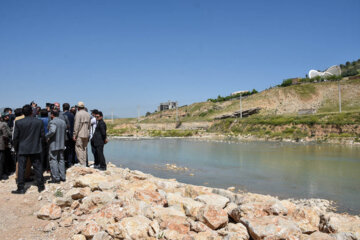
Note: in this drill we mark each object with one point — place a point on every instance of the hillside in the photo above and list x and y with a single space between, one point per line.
323 97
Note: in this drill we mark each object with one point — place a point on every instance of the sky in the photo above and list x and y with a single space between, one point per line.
118 56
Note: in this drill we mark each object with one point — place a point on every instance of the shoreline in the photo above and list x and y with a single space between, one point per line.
227 138
128 204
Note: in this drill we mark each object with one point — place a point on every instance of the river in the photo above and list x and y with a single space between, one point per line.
285 170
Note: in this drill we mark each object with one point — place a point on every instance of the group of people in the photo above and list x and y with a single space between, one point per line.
35 140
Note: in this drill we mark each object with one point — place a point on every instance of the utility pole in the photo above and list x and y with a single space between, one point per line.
177 116
240 107
339 96
138 110
112 117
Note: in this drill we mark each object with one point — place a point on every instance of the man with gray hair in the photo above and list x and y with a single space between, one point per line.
81 133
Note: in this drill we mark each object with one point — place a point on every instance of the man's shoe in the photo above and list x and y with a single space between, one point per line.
55 181
96 166
102 169
18 191
62 180
41 188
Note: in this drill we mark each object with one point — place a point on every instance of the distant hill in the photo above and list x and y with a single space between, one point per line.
322 97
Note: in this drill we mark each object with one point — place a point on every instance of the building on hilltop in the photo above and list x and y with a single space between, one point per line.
167 105
331 71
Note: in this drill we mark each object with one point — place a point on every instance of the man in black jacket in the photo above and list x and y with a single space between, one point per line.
28 136
99 139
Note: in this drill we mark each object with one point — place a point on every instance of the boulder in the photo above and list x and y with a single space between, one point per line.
67 222
159 212
214 216
346 236
62 202
51 226
272 227
150 197
237 231
77 193
78 237
90 180
154 228
198 226
307 219
185 204
49 212
175 223
139 208
96 199
135 227
91 229
337 223
317 236
213 199
101 236
116 231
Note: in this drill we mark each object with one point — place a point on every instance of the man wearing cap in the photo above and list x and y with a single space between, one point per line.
81 133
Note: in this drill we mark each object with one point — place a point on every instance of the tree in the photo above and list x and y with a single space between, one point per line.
147 114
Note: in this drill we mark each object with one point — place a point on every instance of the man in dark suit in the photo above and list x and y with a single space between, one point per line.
69 153
99 139
28 136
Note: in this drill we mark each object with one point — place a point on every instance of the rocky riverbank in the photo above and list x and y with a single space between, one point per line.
125 204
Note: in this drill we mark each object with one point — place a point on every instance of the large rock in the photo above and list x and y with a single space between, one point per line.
272 227
95 200
91 229
197 226
317 236
307 219
77 193
175 223
116 231
213 199
337 223
135 227
139 208
214 216
237 231
159 212
346 236
90 180
257 208
49 212
188 205
151 197
101 236
78 237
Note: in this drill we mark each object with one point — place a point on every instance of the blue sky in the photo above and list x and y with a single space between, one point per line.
117 55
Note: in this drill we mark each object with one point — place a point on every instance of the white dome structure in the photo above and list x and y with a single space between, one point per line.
331 71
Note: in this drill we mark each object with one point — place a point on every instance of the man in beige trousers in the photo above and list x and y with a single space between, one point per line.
81 133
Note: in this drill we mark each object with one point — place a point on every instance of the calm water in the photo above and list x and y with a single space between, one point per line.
281 169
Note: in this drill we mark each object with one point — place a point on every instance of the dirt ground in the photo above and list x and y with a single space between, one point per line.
18 218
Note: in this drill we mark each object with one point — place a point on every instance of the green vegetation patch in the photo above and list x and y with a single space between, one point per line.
172 133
